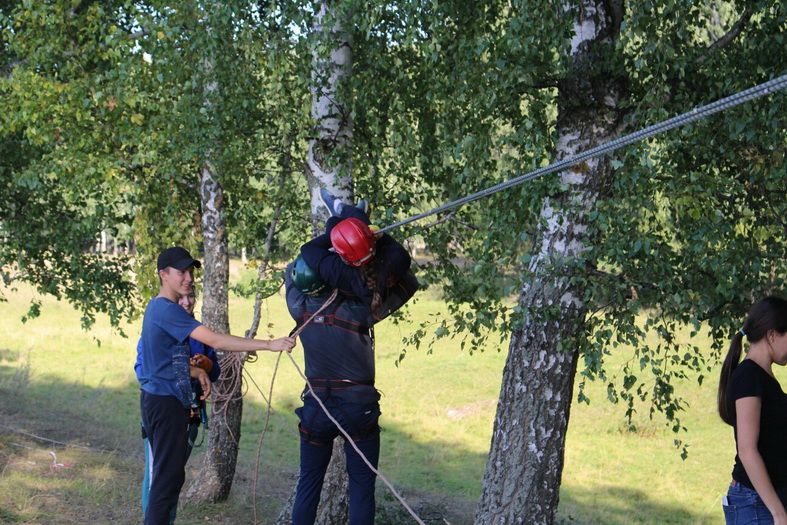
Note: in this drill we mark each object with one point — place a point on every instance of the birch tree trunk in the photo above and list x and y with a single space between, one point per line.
328 166
214 481
327 163
522 479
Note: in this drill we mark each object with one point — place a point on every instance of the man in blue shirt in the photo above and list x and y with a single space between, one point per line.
165 399
201 356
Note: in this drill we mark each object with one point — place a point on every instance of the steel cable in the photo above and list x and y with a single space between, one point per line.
695 114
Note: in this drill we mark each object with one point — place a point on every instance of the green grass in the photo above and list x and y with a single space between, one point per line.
57 382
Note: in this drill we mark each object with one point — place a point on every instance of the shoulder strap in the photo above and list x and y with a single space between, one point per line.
327 317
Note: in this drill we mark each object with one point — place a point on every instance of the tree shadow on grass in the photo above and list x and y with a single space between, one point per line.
14 371
614 505
94 420
74 486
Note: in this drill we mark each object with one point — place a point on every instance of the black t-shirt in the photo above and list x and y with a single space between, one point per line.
749 380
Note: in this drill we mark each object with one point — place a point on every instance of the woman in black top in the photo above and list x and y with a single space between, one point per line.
752 401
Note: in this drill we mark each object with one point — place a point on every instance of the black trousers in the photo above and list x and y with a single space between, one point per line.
165 421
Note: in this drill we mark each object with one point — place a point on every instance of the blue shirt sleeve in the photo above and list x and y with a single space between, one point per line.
176 322
215 372
138 363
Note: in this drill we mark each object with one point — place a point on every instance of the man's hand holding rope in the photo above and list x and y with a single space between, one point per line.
282 344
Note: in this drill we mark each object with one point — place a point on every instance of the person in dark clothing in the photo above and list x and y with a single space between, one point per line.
752 401
166 393
339 353
366 278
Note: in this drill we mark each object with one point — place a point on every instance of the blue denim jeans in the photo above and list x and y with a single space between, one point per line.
743 506
317 435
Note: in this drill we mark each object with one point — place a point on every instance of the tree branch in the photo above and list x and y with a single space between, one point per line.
624 279
708 52
261 271
440 221
548 83
728 37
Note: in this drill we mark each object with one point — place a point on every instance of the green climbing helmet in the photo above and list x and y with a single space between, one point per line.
305 279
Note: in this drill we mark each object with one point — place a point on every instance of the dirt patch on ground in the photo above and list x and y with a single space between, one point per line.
43 483
471 409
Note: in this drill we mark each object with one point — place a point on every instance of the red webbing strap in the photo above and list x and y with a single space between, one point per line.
299 328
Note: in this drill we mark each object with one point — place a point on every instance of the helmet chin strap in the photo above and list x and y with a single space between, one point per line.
361 262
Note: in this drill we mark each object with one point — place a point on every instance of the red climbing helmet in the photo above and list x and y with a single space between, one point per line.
353 241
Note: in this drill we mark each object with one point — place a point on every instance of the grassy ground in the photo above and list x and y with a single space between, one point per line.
58 383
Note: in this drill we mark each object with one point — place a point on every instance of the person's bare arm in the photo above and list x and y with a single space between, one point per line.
201 376
747 410
231 343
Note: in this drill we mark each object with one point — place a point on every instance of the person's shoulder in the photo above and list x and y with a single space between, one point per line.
154 308
749 374
151 304
752 367
747 367
158 303
161 308
171 307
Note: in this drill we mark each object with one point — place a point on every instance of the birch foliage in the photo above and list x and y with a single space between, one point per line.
452 97
104 125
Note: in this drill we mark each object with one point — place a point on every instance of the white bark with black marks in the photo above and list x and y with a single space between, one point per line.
522 478
216 265
333 129
328 166
214 481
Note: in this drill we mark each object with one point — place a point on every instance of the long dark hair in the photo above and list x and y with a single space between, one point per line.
370 274
768 314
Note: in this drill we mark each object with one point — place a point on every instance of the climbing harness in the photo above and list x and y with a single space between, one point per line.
350 440
332 319
320 383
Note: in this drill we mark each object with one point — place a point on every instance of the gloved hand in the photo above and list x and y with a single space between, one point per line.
202 361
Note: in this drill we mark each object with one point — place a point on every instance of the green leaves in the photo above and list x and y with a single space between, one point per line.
691 230
446 98
95 137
